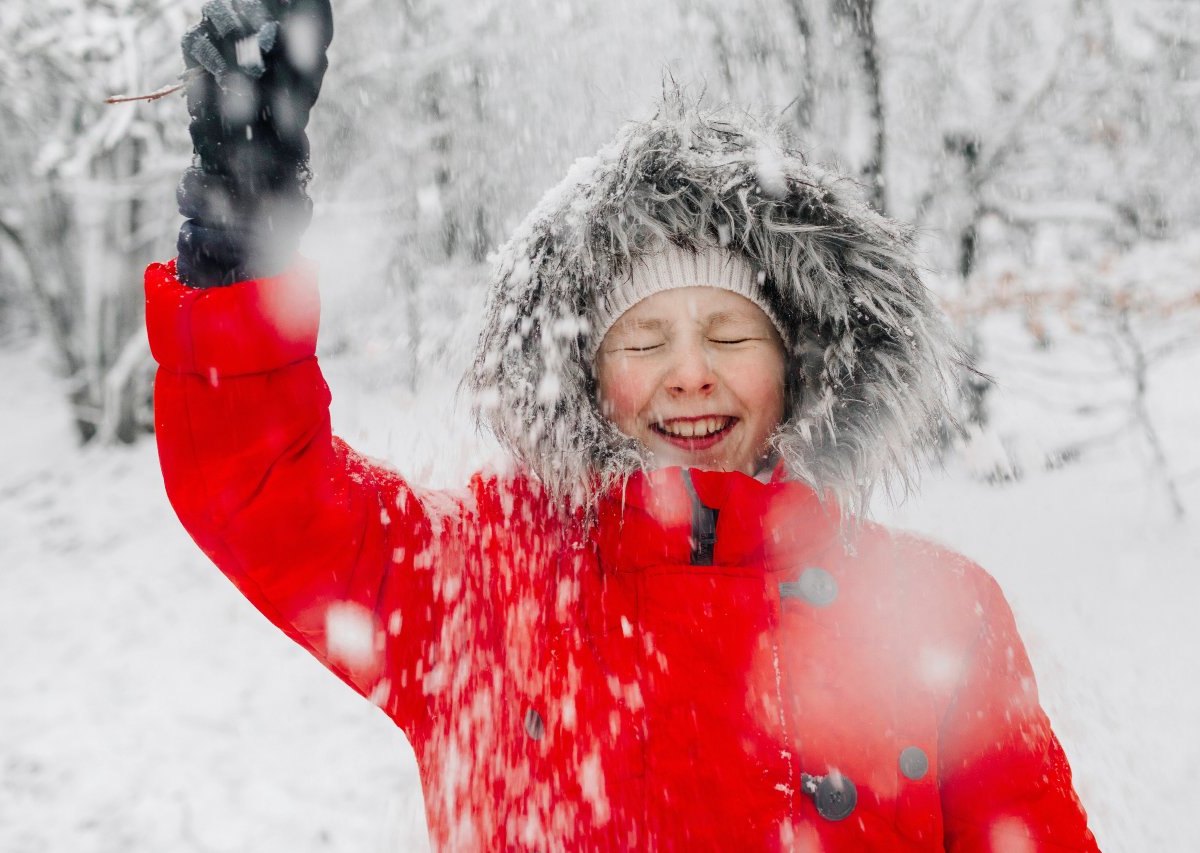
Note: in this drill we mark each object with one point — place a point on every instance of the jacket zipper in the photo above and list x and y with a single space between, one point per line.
704 525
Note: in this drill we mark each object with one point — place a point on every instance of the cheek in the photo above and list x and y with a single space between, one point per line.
625 390
763 390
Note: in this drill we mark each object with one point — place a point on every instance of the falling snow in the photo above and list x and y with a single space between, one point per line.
1048 147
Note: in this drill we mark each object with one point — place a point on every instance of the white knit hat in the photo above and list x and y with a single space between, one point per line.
677 267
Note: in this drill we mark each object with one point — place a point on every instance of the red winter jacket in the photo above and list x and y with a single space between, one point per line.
698 665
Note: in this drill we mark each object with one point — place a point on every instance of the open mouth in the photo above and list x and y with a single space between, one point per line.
695 433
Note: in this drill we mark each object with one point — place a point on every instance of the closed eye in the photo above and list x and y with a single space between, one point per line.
641 349
730 341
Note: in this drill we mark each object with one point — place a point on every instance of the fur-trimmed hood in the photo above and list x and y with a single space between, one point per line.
870 358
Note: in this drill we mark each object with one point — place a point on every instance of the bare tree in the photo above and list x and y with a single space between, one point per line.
840 97
90 190
1104 333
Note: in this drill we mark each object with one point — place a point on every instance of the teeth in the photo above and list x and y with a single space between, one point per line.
695 429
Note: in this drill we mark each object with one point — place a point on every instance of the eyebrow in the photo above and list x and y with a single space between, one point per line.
650 325
728 317
656 324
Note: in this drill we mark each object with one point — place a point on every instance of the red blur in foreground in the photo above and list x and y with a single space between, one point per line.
611 683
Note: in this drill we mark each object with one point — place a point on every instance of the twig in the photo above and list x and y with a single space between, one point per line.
184 78
153 96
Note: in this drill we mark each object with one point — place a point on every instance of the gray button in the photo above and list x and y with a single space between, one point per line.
914 763
816 586
535 727
834 795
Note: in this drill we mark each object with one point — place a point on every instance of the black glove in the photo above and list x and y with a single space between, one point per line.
254 71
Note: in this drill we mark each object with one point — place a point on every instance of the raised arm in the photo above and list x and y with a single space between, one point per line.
334 550
254 70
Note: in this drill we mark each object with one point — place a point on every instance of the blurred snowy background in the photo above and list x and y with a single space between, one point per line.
1046 149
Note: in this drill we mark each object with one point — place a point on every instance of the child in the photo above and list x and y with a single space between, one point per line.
668 628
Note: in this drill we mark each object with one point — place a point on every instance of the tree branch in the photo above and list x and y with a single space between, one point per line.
50 317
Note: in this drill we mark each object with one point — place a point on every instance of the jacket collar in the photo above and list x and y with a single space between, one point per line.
651 519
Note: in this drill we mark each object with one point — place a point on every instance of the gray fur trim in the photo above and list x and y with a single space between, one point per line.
872 357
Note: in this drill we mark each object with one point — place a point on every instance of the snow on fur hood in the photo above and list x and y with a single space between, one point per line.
870 356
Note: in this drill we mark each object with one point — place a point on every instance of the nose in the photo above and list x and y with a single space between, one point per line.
691 371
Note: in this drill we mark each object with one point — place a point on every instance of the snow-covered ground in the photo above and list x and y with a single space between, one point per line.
144 706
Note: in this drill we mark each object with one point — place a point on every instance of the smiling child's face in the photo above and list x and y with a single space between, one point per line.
695 374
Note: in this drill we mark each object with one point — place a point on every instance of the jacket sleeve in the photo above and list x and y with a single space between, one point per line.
339 553
1005 781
